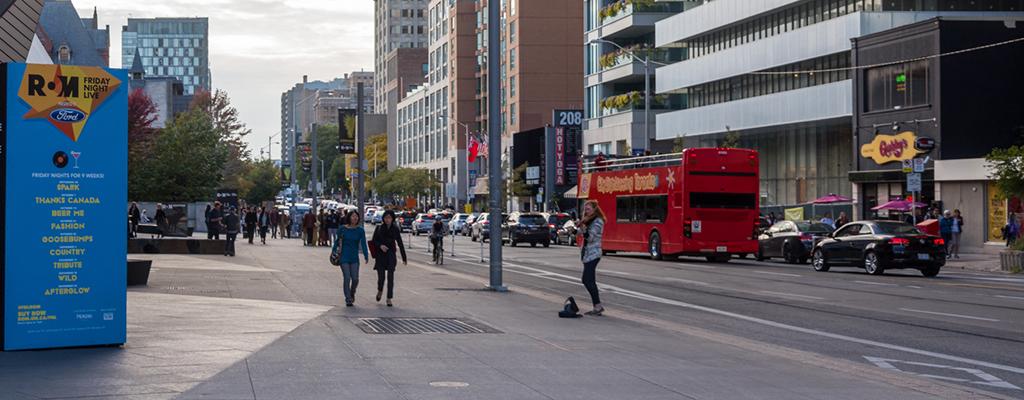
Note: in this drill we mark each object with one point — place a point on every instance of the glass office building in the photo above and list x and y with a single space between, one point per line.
170 47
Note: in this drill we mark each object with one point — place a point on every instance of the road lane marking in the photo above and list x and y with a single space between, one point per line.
1011 280
1010 297
913 287
655 299
950 315
697 265
986 378
876 283
777 273
801 296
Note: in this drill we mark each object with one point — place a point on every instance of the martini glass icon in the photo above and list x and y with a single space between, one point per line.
75 155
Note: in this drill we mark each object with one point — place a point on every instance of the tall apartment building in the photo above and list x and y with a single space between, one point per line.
407 69
70 39
397 24
317 102
541 65
617 41
740 72
173 47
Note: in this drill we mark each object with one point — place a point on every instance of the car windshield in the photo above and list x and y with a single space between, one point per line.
813 227
531 220
896 228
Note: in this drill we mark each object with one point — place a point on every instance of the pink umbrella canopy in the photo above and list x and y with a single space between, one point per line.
832 198
899 205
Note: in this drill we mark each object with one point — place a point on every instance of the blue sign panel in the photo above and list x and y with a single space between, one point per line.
64 132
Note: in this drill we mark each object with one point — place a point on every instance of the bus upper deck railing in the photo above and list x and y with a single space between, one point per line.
618 164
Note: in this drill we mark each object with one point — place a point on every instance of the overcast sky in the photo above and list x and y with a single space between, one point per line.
260 48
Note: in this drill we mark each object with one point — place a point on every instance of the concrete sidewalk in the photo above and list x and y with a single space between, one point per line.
267 325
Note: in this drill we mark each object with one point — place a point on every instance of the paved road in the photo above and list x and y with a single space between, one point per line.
960 327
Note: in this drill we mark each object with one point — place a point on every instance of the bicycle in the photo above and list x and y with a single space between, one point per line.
438 250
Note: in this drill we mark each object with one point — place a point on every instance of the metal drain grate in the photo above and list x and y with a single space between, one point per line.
411 326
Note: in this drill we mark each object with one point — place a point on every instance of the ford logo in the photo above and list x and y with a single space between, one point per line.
67 115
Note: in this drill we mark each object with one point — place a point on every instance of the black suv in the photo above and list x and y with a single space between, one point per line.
529 228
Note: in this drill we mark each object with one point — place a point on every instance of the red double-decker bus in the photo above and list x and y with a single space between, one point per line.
701 202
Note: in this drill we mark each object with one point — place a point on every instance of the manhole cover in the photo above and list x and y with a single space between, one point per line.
411 326
449 384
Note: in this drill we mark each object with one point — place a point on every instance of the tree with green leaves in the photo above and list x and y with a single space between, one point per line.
186 162
232 131
1007 166
404 182
263 182
731 140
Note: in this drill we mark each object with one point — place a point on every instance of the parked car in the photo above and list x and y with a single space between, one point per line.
378 216
457 222
566 234
405 219
880 245
422 223
482 227
369 211
555 221
791 240
527 227
467 227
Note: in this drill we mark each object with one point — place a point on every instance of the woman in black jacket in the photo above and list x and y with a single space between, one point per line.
388 239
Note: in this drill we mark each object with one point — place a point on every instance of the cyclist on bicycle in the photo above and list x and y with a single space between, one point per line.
437 232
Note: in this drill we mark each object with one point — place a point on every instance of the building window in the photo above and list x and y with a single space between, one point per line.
897 86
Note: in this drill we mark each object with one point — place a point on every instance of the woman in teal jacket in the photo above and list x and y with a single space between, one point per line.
352 239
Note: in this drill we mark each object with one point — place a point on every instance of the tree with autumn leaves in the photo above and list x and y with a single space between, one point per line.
201 150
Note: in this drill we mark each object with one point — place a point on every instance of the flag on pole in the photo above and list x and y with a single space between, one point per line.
474 148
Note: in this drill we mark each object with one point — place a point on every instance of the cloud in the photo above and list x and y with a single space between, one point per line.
260 48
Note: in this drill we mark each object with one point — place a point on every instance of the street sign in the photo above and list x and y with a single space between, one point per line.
908 166
919 165
532 173
913 182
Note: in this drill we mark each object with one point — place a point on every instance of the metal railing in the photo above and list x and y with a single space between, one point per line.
625 163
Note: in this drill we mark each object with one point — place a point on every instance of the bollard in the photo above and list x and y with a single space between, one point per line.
453 243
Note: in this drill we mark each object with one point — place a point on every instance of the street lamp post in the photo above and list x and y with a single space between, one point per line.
466 127
646 61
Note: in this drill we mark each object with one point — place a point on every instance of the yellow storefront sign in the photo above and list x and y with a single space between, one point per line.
891 148
795 214
996 214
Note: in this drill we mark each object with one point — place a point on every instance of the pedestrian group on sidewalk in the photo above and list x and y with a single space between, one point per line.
384 247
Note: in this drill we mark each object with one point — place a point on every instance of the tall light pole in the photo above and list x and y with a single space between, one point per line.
494 139
646 61
270 146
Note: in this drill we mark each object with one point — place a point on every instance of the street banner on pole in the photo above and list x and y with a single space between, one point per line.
346 134
63 135
306 155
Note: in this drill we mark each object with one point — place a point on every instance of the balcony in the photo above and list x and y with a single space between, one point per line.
816 103
619 67
631 18
710 16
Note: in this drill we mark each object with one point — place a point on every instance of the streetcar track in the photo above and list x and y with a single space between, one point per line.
801 307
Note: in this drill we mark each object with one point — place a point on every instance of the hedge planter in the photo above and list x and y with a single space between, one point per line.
1012 261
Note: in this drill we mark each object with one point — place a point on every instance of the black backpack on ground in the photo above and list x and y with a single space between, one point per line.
570 310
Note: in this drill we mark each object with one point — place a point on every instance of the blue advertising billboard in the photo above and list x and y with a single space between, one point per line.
64 135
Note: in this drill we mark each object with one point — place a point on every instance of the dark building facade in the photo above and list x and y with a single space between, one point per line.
18 20
71 40
947 111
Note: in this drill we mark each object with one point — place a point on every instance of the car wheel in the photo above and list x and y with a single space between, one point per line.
930 272
787 254
871 264
654 246
818 261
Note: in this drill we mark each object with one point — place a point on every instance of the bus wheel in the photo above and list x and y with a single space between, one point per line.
654 246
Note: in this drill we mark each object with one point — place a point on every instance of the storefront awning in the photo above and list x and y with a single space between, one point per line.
572 193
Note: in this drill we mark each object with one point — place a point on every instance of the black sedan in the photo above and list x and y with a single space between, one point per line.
880 245
529 228
791 240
